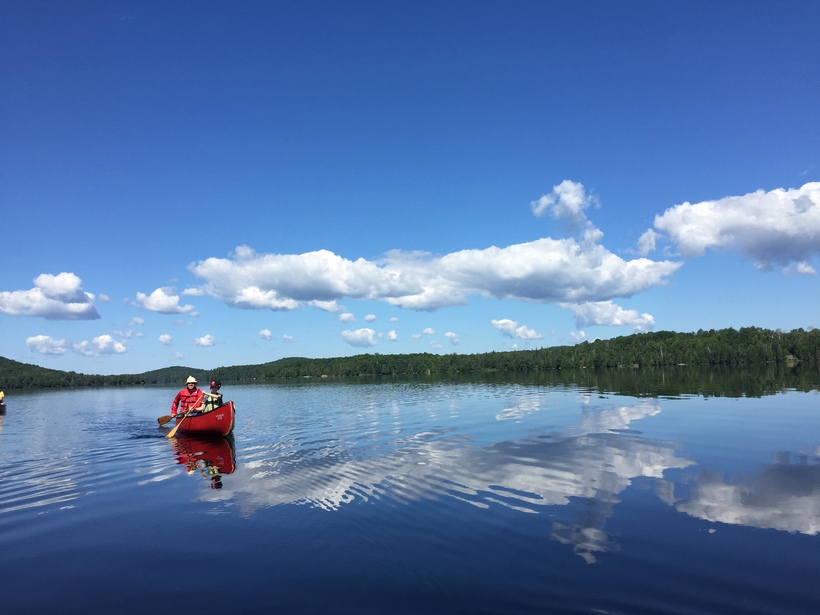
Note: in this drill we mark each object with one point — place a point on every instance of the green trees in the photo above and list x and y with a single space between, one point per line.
725 347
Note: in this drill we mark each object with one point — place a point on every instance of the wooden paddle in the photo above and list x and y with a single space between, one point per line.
173 432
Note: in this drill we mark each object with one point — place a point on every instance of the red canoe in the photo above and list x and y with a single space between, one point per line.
217 422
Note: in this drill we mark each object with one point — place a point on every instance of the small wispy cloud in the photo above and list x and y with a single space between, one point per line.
511 328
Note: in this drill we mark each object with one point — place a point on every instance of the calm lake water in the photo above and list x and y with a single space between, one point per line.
403 497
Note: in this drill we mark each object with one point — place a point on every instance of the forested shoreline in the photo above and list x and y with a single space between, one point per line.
724 347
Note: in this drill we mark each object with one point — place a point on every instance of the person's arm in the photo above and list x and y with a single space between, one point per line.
175 404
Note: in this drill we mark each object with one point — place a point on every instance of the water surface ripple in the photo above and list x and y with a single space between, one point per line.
413 498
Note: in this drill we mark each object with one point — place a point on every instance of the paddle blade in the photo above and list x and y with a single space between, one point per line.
164 419
173 432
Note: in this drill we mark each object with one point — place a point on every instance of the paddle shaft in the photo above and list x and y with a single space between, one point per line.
173 432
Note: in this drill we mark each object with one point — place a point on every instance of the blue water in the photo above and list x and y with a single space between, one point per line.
412 498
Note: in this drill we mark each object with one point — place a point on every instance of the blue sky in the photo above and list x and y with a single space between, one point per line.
212 183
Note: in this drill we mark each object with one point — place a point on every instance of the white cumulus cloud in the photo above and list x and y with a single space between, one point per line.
776 228
578 336
165 339
265 334
54 297
205 340
106 344
45 344
547 270
804 268
360 337
100 345
567 201
326 306
609 314
164 301
647 241
510 328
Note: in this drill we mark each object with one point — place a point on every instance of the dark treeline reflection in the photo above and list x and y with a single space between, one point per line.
717 381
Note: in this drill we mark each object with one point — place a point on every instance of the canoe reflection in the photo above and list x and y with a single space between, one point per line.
210 456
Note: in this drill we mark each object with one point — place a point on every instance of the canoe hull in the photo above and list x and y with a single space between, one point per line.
218 422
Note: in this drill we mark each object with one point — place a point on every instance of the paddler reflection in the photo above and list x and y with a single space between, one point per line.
211 457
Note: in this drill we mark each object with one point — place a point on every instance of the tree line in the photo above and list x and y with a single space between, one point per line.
724 347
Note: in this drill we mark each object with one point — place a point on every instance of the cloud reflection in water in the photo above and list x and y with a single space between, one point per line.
784 495
587 467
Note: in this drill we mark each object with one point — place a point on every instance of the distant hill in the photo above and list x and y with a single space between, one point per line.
730 347
16 375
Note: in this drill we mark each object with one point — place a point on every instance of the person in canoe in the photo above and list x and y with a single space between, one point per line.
188 398
212 400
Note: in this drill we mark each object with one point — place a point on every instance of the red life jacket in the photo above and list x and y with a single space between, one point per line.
186 399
